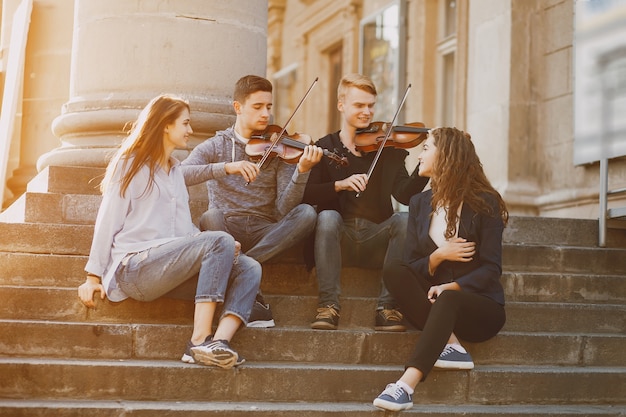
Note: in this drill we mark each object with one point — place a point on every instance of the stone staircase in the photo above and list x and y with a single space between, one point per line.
561 353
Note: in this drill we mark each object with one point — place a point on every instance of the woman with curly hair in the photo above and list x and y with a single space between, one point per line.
448 285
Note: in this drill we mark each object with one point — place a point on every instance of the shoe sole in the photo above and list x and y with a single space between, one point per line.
187 358
222 358
261 323
388 405
322 325
396 328
449 365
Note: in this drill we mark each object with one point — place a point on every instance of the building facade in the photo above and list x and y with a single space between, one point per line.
503 70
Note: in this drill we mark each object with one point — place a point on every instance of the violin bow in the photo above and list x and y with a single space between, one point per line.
282 132
387 133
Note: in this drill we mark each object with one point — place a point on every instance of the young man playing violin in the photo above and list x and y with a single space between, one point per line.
356 224
261 207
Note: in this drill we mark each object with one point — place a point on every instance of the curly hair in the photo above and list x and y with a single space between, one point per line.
458 177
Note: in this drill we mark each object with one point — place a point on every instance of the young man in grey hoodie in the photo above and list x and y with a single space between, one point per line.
261 207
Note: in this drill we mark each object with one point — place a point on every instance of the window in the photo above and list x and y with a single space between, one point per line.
335 57
600 80
446 51
284 81
382 52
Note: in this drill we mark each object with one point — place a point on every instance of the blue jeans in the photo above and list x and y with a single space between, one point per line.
203 261
355 242
261 238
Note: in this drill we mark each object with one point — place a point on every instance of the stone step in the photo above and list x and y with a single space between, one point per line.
27 269
62 304
65 239
144 380
79 181
79 340
559 231
77 408
83 208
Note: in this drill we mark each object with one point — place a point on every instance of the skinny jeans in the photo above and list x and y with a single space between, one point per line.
261 238
355 242
470 316
203 264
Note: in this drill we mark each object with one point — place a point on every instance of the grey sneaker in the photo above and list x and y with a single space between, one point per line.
187 356
327 318
216 353
261 315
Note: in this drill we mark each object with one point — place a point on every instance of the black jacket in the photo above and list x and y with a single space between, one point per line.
482 274
396 182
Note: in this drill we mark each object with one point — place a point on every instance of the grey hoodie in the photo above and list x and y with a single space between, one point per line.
278 188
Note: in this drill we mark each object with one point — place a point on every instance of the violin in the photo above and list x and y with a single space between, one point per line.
406 136
385 138
288 147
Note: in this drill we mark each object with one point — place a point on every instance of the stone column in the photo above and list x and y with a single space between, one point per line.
46 83
126 52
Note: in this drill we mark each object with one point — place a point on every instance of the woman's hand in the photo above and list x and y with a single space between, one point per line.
436 290
457 249
87 290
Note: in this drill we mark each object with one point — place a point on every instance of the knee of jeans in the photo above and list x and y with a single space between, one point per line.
307 214
216 237
212 219
329 220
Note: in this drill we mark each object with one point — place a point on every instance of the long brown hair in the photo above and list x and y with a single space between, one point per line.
458 177
145 141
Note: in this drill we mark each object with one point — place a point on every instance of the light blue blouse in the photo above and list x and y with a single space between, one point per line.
142 219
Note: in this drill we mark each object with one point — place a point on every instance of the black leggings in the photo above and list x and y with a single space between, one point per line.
471 316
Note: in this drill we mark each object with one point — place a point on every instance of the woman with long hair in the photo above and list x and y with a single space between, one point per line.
448 285
146 246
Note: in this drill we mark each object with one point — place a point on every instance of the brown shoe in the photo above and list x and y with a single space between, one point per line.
389 320
327 318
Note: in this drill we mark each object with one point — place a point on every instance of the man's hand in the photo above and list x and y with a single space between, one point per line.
246 169
310 157
355 182
87 290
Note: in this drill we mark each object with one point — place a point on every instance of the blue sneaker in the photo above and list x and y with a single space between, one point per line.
451 358
394 398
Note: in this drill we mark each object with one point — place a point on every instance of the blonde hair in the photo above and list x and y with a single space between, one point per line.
144 143
360 81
